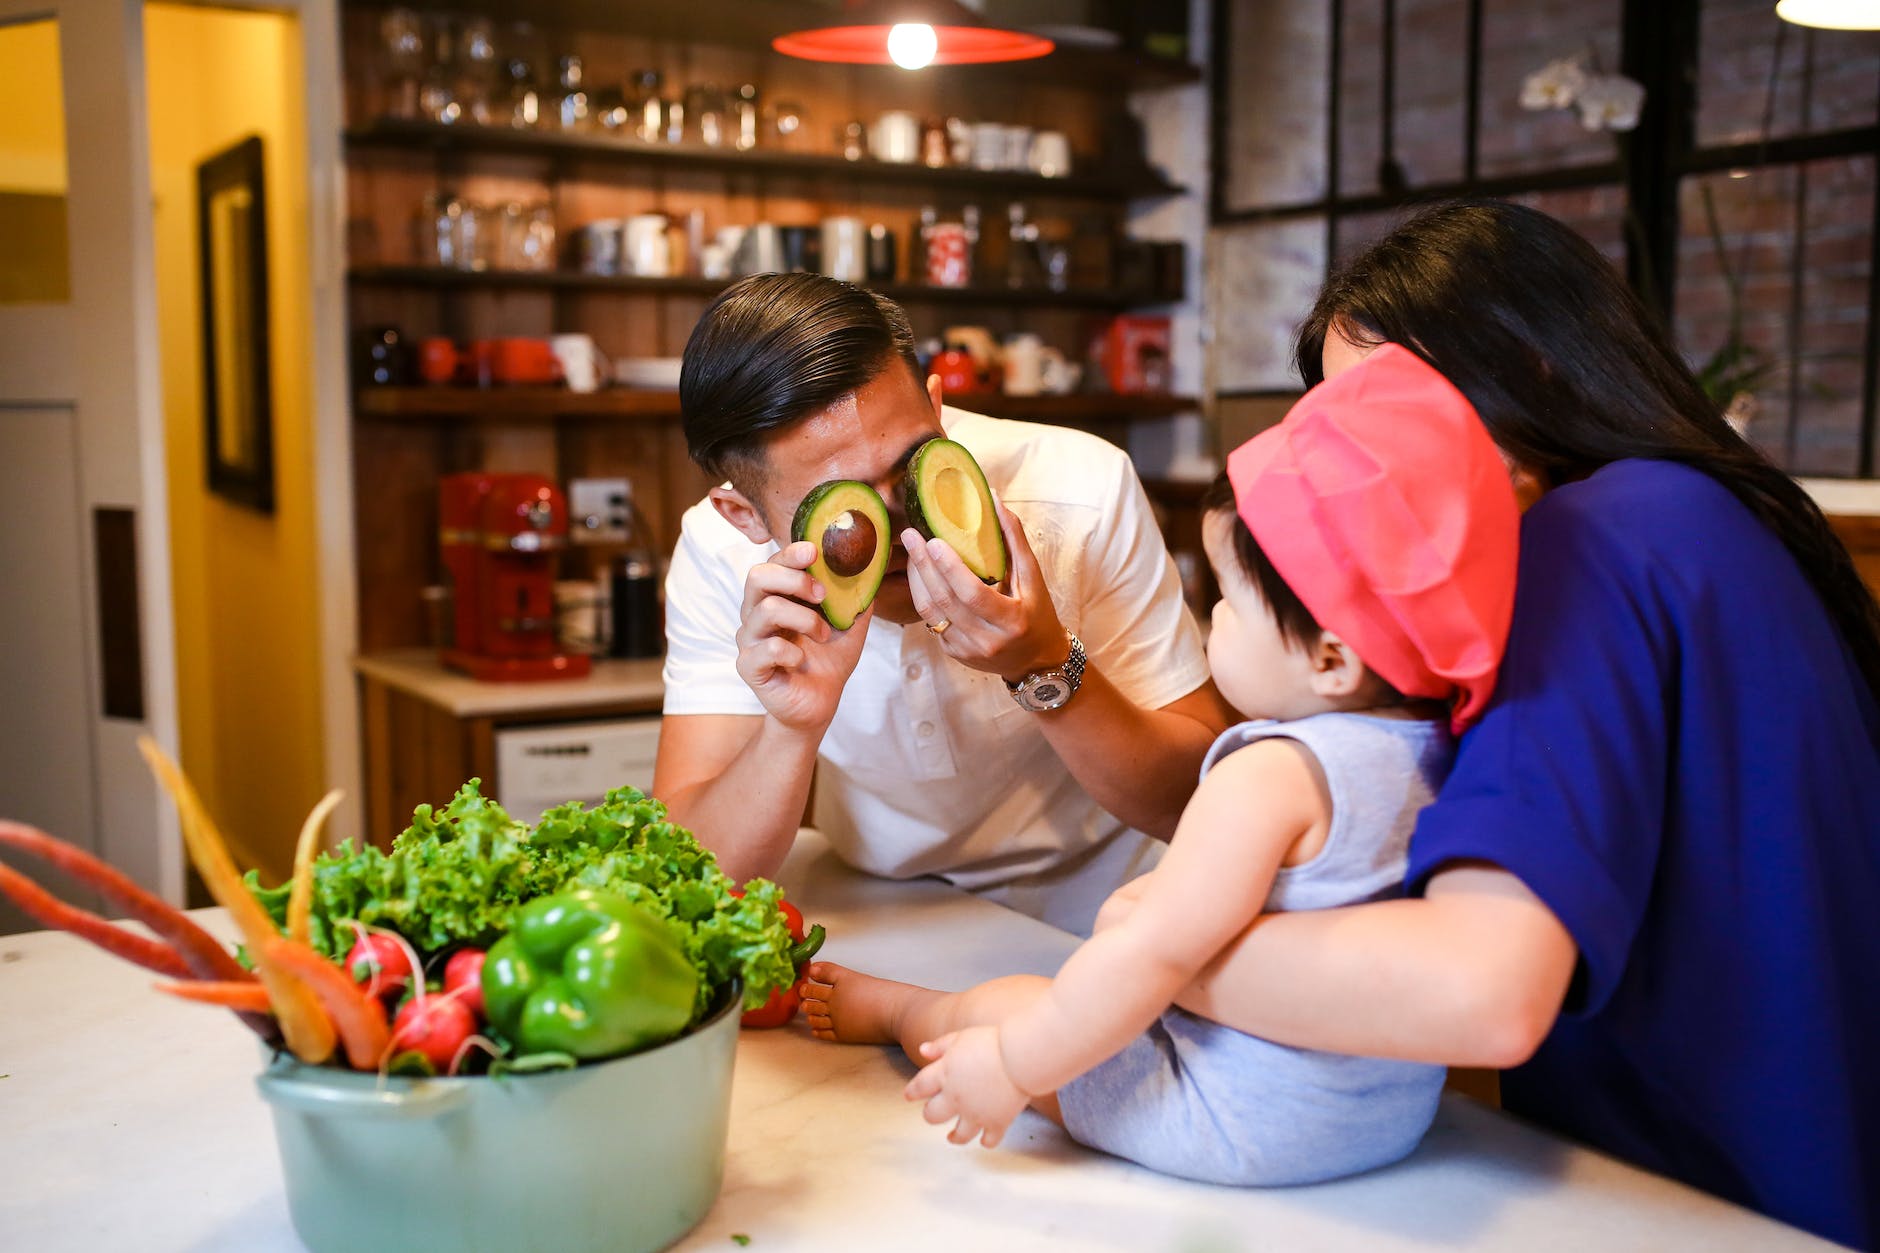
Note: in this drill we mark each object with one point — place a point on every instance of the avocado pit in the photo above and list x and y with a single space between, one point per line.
849 542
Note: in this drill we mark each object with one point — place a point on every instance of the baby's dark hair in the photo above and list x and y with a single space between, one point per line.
1297 626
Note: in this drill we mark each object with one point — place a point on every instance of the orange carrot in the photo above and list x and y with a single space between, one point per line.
243 998
309 1032
360 1018
42 906
300 896
201 952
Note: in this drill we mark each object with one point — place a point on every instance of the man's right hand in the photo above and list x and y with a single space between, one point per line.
787 652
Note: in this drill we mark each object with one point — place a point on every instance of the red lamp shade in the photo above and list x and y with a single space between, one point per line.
862 37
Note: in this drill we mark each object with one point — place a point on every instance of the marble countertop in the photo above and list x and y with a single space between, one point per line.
611 684
132 1121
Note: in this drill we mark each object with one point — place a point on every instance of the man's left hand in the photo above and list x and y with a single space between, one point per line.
1010 630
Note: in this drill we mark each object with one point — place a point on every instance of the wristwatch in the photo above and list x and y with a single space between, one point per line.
1051 689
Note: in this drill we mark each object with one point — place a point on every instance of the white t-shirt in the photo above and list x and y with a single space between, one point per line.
930 767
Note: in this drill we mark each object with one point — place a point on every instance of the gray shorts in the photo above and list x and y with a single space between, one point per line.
1192 1098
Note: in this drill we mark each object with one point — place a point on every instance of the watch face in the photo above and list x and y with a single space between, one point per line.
1048 692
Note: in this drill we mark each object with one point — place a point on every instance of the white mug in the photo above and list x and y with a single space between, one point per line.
1050 154
1024 364
648 251
845 249
896 137
1060 375
582 363
1017 148
988 145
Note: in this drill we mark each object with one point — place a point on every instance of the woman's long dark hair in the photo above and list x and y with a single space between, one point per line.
1568 371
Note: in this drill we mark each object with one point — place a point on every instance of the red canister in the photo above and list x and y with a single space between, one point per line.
949 255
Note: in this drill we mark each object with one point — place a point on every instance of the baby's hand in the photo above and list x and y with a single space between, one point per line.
965 1079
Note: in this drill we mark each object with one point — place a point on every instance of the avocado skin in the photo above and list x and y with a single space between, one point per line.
910 493
840 590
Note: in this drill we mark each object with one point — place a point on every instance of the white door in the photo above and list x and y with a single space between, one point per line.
86 650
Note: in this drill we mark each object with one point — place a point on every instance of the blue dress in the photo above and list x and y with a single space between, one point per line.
1683 762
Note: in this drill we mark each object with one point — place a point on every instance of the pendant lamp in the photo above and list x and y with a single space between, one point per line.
912 34
1831 14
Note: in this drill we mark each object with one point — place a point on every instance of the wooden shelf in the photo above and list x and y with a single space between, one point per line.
424 136
568 280
548 404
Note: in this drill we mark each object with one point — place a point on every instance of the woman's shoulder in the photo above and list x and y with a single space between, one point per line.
1639 512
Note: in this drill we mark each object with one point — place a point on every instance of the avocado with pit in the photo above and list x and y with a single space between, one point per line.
948 499
848 523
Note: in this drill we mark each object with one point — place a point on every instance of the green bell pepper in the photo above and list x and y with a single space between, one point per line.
590 974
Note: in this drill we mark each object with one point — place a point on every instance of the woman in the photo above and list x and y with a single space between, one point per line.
1651 888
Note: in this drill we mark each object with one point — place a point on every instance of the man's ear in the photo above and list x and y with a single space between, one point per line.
1336 671
736 508
933 395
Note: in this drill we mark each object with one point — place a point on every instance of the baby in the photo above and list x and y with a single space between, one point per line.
1365 549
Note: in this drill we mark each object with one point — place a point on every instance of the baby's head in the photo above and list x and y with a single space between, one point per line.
1270 657
1365 549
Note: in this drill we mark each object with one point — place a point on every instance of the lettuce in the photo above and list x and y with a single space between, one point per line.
457 875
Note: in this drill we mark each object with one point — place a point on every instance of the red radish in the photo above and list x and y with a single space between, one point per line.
463 978
436 1027
379 961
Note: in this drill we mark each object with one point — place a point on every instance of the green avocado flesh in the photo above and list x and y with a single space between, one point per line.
848 523
947 499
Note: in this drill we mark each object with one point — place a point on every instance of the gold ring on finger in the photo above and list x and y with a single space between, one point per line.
940 627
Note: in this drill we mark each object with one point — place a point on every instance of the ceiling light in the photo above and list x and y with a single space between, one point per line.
912 45
911 34
1831 14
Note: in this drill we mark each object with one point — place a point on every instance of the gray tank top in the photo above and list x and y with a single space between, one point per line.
1381 772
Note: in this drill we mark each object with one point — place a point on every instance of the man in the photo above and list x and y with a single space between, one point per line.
937 757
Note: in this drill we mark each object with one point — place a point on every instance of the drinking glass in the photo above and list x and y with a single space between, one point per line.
401 36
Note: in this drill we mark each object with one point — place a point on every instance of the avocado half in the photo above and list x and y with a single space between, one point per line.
848 523
947 499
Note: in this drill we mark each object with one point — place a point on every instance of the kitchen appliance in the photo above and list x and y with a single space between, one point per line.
500 534
538 767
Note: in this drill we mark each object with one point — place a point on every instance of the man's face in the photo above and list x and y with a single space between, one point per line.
869 435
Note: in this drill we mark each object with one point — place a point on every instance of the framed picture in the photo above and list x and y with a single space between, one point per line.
237 396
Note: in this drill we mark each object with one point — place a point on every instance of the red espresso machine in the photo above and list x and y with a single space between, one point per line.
500 535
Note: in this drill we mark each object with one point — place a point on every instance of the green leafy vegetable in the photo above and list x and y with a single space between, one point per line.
457 875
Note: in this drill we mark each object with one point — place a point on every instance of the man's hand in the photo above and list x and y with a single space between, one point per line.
1010 633
966 1080
787 651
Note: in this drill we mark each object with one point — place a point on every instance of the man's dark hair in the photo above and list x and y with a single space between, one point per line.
775 348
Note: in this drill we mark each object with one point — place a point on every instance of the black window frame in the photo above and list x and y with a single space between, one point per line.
1659 49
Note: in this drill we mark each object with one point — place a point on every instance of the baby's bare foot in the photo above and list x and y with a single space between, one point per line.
849 1007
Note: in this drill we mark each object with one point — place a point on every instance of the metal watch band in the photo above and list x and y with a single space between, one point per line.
1050 689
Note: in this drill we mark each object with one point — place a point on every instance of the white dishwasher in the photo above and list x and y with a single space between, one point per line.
540 767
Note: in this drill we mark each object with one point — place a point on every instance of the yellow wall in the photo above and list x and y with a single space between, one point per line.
32 167
247 646
32 113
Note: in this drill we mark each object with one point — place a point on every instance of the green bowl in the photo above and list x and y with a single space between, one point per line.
624 1155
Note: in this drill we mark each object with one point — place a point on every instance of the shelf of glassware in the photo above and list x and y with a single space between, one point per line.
398 134
550 404
571 280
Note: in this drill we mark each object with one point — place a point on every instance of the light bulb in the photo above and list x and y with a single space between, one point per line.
911 45
1831 14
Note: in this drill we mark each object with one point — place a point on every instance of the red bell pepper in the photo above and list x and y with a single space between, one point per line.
781 1008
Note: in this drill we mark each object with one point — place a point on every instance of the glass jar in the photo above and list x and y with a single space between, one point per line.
571 98
524 111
